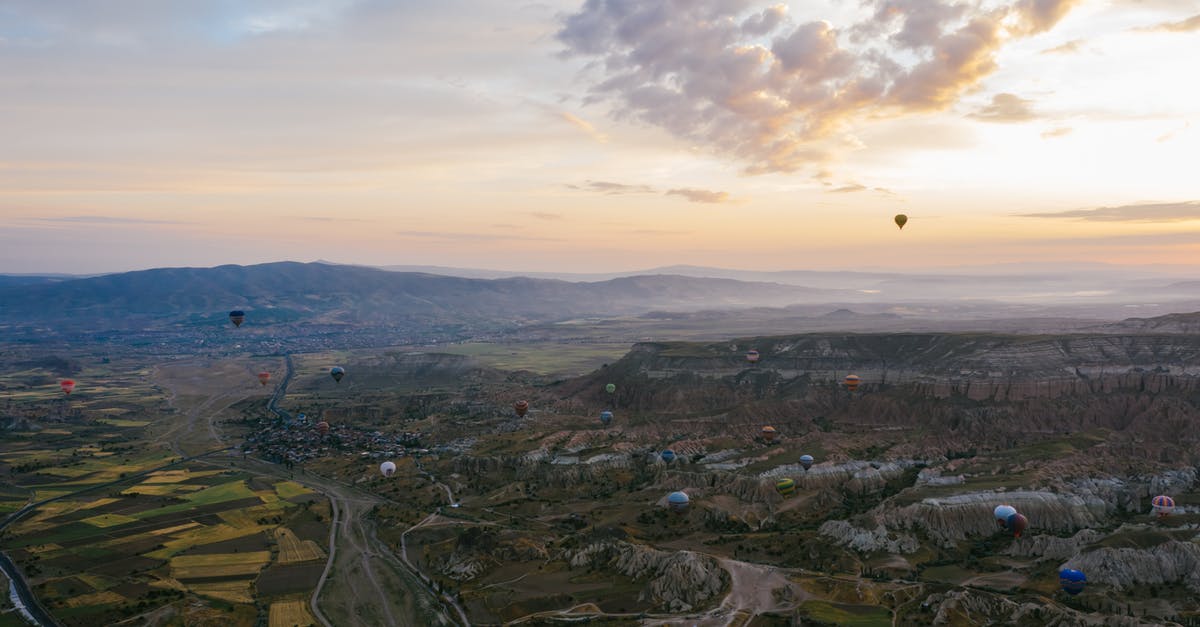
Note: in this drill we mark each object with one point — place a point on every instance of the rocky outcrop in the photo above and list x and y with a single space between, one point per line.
842 533
858 477
1134 494
949 519
1122 568
1046 547
974 607
677 581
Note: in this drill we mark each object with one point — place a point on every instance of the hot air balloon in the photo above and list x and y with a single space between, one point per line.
852 382
263 377
806 461
1002 512
668 456
752 356
678 502
237 316
610 388
1163 505
1072 581
323 427
67 386
606 417
387 468
521 407
1017 523
301 418
769 433
786 487
901 220
337 372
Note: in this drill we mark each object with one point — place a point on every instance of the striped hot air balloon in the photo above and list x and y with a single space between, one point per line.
752 356
1163 505
1072 581
852 382
786 486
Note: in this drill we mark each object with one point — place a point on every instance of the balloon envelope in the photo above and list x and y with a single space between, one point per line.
786 487
1017 523
387 468
337 372
1002 512
1163 505
610 388
852 382
67 386
769 433
606 416
237 316
263 377
668 456
901 220
752 356
806 461
1073 581
323 427
521 407
678 501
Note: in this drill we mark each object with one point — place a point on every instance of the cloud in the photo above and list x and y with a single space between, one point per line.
1173 133
545 215
1006 108
585 126
455 236
613 189
1152 212
1182 26
1070 47
700 195
1058 131
747 82
108 220
847 189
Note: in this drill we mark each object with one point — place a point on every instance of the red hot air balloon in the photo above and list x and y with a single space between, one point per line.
852 382
522 407
67 386
1017 523
263 377
323 427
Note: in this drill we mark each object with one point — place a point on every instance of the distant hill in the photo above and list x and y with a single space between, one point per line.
317 292
1171 323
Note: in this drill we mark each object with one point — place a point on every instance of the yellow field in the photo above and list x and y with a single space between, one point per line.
95 598
290 614
233 591
292 549
108 520
120 422
160 489
99 502
219 565
199 536
268 497
168 584
288 489
175 529
178 476
70 472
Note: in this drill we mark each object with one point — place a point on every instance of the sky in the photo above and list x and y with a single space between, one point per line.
598 135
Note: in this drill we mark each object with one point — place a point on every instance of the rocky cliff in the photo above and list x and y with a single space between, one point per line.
677 581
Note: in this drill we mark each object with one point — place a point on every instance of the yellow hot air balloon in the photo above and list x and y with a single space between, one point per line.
901 220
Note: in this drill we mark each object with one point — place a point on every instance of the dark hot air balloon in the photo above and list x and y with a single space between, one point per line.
323 427
668 456
337 372
237 317
606 417
1072 581
901 220
1017 523
521 407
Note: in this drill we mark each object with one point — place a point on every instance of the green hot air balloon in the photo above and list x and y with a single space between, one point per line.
610 388
786 487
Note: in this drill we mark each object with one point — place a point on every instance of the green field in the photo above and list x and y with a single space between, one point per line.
542 358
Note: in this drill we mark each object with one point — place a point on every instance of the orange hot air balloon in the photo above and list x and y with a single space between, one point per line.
852 382
67 386
263 377
522 408
769 433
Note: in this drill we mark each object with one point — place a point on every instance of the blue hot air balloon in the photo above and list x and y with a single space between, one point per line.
678 502
806 461
606 417
668 456
1002 513
1073 581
